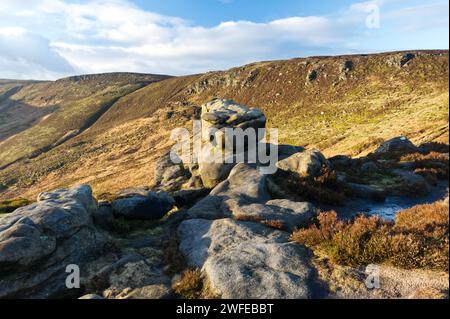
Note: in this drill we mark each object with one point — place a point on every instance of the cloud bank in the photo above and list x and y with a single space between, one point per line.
47 39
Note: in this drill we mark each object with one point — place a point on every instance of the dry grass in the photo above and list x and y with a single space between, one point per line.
8 206
324 189
276 224
376 102
190 285
418 239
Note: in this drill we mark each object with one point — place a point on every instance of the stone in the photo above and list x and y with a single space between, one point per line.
399 144
245 185
367 192
170 176
186 197
104 216
244 260
341 161
312 75
143 205
400 60
309 163
220 114
212 172
290 214
369 167
38 241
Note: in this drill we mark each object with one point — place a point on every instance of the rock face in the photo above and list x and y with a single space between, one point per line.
245 185
246 260
283 213
306 164
217 118
170 176
397 144
218 115
38 241
141 204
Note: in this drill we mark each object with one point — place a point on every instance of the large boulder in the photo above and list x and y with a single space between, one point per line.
309 163
246 260
399 144
279 213
170 176
142 204
38 242
220 114
245 185
221 150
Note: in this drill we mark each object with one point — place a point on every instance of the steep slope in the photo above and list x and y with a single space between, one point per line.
342 105
39 116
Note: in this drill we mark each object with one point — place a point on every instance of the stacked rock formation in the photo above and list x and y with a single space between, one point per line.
219 148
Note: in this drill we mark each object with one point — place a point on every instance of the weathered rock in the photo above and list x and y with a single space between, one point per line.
186 197
367 192
341 161
413 183
369 167
38 241
245 185
246 260
289 214
142 205
213 168
397 144
104 216
309 163
170 176
218 115
221 149
401 59
312 75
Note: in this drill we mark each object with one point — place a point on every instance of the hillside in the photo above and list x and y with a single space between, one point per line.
108 130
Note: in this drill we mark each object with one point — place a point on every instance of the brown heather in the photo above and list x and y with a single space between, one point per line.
419 238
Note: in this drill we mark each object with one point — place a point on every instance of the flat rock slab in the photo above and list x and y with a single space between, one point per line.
288 214
244 260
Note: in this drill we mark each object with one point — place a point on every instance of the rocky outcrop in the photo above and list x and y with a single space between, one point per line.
246 260
220 148
38 242
309 163
280 213
245 185
142 204
399 144
170 176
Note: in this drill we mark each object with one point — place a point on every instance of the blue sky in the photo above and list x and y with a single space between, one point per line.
49 39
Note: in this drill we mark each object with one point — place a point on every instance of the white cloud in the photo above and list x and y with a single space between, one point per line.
114 35
26 55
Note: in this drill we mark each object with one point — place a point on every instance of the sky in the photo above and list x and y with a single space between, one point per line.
51 39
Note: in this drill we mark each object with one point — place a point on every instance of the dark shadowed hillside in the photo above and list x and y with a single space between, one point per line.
108 130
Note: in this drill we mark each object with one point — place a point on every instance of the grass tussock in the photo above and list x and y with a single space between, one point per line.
419 238
8 206
190 285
